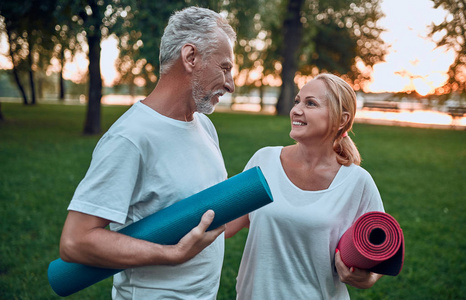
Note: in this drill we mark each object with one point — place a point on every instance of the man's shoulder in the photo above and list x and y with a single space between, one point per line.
204 120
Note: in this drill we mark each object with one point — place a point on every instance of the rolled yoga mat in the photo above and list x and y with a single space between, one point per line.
374 242
229 200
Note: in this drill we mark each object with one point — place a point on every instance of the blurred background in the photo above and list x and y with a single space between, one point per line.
405 59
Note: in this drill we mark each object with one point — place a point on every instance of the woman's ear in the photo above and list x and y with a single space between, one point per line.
189 57
345 117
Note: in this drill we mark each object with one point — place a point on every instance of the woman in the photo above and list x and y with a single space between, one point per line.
319 190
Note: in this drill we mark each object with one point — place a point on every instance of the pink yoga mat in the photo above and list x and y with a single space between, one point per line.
374 242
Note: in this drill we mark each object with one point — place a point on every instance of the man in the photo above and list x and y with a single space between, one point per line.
162 150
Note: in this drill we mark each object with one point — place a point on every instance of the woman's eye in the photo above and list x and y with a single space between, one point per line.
296 102
310 103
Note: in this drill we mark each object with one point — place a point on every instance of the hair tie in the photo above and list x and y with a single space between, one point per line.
345 134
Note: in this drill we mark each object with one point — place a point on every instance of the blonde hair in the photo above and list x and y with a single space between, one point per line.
341 98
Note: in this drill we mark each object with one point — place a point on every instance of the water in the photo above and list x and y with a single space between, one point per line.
401 117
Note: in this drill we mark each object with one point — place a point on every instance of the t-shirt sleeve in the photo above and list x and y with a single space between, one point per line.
261 157
107 188
371 199
209 127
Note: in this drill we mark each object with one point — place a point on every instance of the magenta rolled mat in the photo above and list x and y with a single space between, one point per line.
374 242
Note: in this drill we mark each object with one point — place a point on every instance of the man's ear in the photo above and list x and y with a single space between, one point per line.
345 117
189 57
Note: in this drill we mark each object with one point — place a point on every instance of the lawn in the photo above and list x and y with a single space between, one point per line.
420 174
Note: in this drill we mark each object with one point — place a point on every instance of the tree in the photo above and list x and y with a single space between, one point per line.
64 39
13 28
292 37
453 31
255 53
141 32
139 40
328 36
29 38
94 19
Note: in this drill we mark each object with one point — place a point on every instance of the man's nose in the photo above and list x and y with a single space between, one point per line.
229 83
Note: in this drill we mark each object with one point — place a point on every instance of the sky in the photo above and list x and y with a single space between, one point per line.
412 62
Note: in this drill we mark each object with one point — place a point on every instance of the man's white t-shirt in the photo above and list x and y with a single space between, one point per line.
290 248
144 163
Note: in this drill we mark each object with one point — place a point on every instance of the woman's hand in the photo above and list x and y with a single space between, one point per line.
359 278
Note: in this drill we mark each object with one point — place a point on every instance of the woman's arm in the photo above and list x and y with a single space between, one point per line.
361 279
234 226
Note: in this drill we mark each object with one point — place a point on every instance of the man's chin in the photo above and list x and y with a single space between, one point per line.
207 106
206 109
209 111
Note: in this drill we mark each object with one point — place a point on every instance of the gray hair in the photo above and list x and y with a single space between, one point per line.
192 25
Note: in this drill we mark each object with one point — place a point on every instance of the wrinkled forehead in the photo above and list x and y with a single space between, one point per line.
225 47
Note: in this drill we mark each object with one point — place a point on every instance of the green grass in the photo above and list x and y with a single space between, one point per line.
420 174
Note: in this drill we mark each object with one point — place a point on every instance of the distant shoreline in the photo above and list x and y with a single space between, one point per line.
366 116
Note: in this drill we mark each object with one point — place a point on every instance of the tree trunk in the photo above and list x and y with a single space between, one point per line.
92 125
1 115
33 88
261 94
131 88
40 85
31 76
15 71
20 86
292 28
61 82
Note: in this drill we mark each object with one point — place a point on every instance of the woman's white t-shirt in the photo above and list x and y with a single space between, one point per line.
290 248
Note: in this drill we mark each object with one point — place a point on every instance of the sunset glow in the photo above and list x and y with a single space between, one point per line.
107 61
412 63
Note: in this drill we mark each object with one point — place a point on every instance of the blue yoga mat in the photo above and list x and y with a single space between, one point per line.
229 199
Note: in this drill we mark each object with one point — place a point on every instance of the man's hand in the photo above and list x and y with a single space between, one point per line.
361 279
85 240
197 239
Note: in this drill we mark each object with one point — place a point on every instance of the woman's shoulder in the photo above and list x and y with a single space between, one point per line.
358 173
267 151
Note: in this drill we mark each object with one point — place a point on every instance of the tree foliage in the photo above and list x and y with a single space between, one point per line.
335 34
93 20
453 32
276 38
29 39
141 32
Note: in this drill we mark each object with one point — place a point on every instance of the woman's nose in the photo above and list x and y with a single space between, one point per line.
296 110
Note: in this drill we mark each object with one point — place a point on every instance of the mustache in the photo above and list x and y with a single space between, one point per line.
219 93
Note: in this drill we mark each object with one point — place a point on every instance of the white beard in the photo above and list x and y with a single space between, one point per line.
202 100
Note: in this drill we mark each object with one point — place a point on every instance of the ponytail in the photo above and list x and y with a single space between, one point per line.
341 100
347 152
